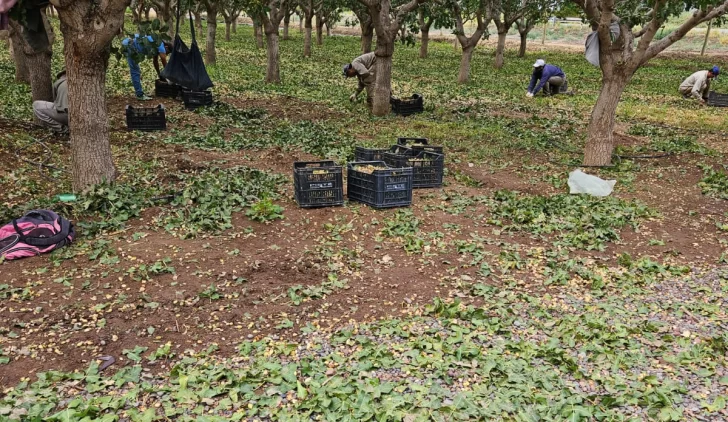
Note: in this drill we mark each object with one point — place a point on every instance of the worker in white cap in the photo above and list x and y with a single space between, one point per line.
546 76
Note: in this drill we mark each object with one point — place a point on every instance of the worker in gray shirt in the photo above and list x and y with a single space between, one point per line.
364 68
697 85
54 115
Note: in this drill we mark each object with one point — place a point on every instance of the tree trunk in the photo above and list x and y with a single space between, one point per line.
307 37
272 74
37 63
228 29
300 24
258 31
319 32
286 25
22 74
210 53
367 34
198 21
328 30
500 49
383 88
169 22
524 42
599 145
464 75
425 41
235 24
89 123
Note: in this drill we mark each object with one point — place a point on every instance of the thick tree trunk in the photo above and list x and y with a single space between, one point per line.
464 75
383 88
210 53
37 63
600 144
328 30
88 121
367 34
524 41
228 28
169 22
235 24
424 43
286 25
307 37
272 74
319 32
500 49
258 32
22 74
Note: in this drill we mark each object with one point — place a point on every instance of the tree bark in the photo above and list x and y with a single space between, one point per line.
500 49
258 32
464 75
272 74
307 37
210 53
22 74
228 29
367 35
88 121
37 63
198 21
286 25
319 31
424 43
600 143
328 30
524 41
235 24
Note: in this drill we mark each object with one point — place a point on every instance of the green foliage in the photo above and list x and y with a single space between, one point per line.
579 221
714 183
265 211
141 48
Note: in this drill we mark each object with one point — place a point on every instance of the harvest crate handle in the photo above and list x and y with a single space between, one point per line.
405 141
304 164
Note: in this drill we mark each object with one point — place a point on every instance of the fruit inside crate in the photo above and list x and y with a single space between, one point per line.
146 118
717 100
406 107
379 186
419 144
166 89
369 154
427 167
318 184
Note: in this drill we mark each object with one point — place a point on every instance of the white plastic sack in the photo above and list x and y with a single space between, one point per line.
580 182
591 50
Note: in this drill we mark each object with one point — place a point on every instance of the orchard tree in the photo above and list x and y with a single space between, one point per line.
211 7
88 27
165 10
365 22
464 11
619 59
387 21
287 22
270 13
231 10
505 14
537 11
308 9
22 74
327 13
36 57
427 15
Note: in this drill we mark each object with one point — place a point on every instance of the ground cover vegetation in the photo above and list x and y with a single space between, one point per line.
497 297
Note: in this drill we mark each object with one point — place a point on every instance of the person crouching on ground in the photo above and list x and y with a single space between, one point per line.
54 115
364 68
134 69
697 85
546 76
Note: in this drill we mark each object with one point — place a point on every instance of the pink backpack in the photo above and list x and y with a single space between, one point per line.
37 232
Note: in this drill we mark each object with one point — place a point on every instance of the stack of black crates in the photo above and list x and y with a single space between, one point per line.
146 118
717 100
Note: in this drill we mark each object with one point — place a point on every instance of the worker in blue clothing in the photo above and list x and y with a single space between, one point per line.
137 46
546 76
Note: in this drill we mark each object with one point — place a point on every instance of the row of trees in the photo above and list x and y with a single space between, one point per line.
88 27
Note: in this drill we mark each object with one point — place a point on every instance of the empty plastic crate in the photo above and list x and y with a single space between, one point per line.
421 144
383 188
717 100
407 107
427 167
196 99
318 184
147 119
166 89
369 154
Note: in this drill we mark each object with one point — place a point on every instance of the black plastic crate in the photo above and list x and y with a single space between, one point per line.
407 107
419 144
369 154
196 99
717 100
166 89
146 118
318 184
385 188
427 167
